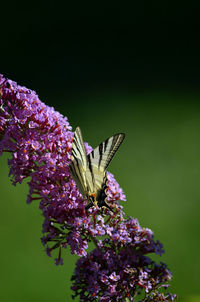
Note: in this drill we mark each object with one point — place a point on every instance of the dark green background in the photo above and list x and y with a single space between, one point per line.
110 69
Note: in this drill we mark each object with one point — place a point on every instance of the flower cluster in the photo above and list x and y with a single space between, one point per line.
119 269
39 140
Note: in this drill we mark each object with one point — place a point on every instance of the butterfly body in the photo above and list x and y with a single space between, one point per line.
89 171
99 199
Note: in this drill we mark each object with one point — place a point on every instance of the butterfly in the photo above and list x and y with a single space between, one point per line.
89 171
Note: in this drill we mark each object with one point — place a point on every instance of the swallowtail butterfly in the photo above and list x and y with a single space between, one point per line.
89 171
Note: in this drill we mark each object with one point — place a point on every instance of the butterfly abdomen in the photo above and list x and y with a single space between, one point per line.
101 198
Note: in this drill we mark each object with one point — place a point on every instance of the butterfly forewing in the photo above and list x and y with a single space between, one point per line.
101 156
78 165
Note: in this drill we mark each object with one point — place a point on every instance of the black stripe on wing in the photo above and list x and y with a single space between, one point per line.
100 153
91 175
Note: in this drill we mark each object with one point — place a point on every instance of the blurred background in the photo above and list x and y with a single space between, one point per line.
113 68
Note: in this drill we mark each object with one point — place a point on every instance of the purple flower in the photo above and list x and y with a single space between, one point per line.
119 273
114 277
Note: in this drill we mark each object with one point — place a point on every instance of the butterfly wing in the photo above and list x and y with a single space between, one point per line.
78 165
101 156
